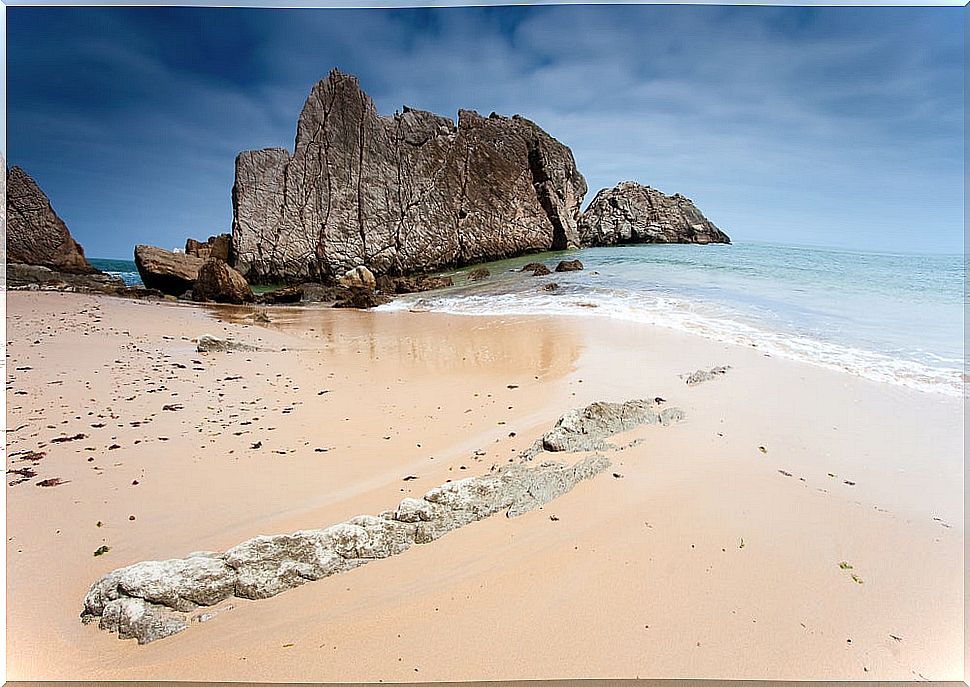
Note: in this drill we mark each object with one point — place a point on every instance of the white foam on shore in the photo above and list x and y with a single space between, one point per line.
685 316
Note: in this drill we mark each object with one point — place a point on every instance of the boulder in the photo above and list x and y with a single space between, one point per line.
479 274
358 278
540 270
409 193
569 266
701 376
215 248
170 273
35 233
632 213
220 283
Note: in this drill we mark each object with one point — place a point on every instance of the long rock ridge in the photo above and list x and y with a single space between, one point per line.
151 600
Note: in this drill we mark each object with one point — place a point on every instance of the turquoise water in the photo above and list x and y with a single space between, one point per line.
119 268
893 318
889 317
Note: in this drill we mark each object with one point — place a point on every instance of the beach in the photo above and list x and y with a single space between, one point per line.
800 522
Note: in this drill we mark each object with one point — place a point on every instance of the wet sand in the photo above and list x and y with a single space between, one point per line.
708 558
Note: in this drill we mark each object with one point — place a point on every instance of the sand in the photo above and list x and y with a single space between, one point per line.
707 558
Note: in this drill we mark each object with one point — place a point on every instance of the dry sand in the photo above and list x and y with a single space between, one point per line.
705 559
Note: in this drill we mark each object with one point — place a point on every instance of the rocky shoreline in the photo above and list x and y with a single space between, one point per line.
367 207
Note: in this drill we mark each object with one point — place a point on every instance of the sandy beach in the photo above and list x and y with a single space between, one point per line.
715 553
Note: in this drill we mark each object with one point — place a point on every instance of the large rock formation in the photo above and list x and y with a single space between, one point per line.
632 213
35 234
171 273
219 283
401 194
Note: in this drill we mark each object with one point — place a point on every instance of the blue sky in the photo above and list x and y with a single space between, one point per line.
829 126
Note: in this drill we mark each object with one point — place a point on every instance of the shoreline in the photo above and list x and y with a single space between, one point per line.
521 598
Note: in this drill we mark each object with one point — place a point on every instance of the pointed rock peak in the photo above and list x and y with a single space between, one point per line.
338 92
36 235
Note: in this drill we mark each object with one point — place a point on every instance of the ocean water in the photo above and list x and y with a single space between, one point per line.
887 317
125 269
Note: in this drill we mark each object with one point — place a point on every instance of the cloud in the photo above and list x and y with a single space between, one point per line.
837 125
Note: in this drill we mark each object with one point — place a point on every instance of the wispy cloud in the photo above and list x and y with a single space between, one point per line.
838 126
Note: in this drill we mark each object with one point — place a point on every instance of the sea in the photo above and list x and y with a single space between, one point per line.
125 269
890 317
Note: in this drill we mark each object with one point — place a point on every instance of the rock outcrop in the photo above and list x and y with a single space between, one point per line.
569 266
632 213
701 376
215 248
219 283
171 273
36 277
151 600
587 429
35 233
402 194
212 344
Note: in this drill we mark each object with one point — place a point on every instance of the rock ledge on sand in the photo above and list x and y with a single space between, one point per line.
151 600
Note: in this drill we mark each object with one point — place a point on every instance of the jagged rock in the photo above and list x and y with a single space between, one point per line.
569 266
587 429
180 584
133 618
700 376
401 194
212 344
551 286
266 566
215 248
287 294
541 271
170 273
147 601
358 278
478 274
220 283
632 213
35 233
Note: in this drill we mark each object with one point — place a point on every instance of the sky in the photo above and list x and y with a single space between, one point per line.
834 126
